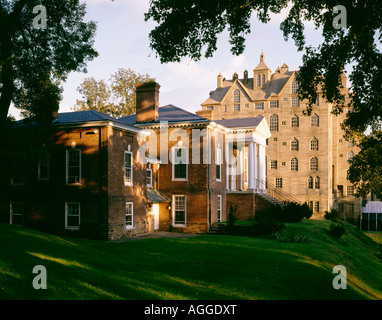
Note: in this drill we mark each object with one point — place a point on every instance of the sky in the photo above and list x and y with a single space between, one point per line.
122 41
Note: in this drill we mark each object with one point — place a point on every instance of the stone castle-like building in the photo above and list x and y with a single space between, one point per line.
307 156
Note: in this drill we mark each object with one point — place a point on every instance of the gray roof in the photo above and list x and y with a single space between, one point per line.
169 113
241 122
155 196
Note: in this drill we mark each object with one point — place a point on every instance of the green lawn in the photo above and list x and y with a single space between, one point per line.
296 266
375 235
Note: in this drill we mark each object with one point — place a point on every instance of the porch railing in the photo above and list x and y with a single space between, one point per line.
276 193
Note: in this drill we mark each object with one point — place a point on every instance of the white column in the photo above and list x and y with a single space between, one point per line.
251 165
241 168
227 167
256 167
262 166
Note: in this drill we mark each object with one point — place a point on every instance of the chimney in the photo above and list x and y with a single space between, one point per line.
220 81
245 77
147 103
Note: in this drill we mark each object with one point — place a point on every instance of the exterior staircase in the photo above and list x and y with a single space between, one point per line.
217 228
274 195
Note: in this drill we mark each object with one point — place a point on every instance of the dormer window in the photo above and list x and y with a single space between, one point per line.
236 96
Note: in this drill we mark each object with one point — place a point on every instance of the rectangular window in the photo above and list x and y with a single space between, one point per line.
17 213
179 210
72 215
279 182
350 190
219 208
43 170
211 108
218 159
317 206
128 168
274 164
350 208
340 207
310 205
295 102
179 163
259 106
247 105
149 177
340 191
129 215
236 107
274 104
73 166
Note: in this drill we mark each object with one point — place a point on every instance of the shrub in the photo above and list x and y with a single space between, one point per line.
232 215
273 212
267 227
295 212
337 229
332 214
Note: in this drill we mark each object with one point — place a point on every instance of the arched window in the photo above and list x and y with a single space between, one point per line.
314 164
295 121
294 164
236 96
274 122
294 86
263 80
314 144
350 156
258 80
315 120
317 183
294 145
310 182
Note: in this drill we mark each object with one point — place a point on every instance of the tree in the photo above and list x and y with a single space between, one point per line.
352 33
116 99
366 169
41 42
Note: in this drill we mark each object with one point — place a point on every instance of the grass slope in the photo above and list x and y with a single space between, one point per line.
296 266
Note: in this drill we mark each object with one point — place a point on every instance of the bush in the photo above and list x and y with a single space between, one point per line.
267 227
273 212
295 212
232 215
337 229
332 214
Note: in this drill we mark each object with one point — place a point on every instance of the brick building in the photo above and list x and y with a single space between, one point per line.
161 169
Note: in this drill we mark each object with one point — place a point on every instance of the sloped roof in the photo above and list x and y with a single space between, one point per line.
241 122
169 113
155 196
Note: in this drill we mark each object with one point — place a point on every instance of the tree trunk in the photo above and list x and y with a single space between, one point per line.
6 77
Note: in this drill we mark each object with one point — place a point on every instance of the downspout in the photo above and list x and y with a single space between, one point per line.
209 188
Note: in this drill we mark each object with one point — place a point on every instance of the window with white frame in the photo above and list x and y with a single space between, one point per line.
317 206
179 163
274 104
149 177
294 164
295 121
72 215
295 102
314 144
315 120
219 208
179 210
73 166
17 213
218 161
128 168
259 106
350 190
129 215
210 108
43 170
279 182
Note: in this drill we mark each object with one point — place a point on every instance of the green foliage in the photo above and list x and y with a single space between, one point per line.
289 212
34 60
337 229
232 215
332 214
115 97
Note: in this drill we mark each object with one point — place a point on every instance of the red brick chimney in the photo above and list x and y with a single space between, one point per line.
147 95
